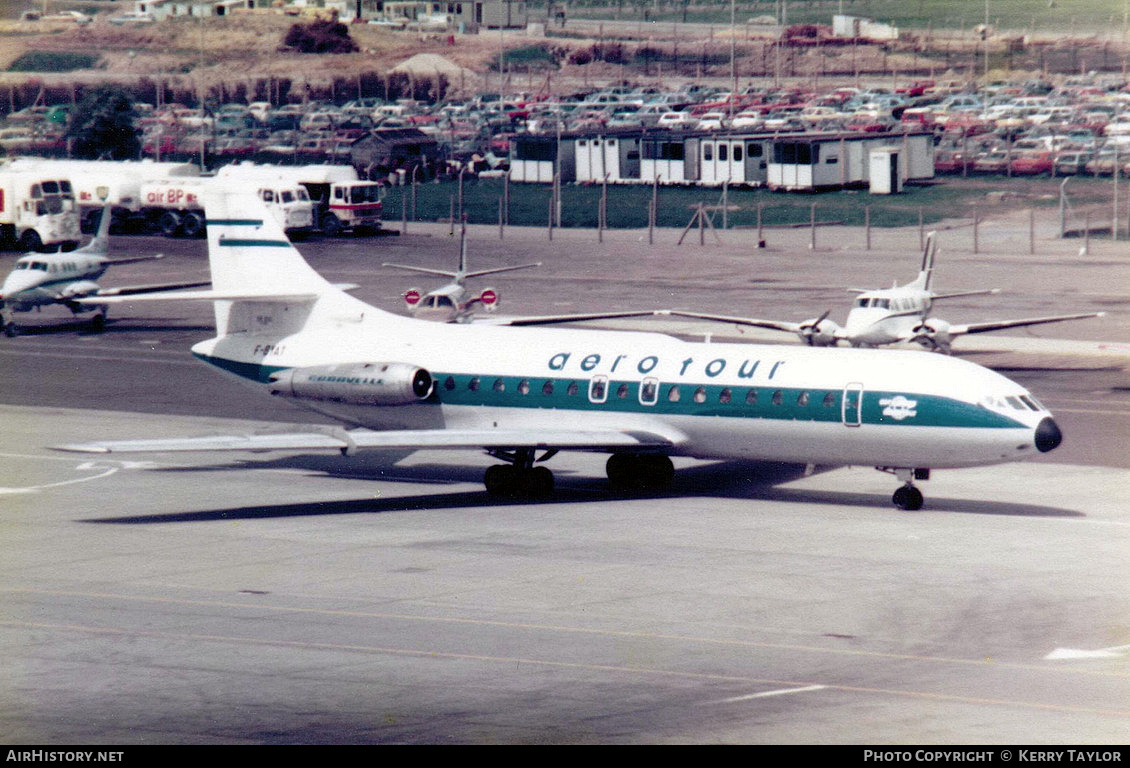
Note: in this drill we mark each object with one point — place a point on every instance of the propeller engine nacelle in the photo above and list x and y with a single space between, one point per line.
934 334
355 383
819 331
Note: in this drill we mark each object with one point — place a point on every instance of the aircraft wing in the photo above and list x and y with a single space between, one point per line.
957 330
775 325
132 259
552 319
130 290
199 296
361 439
955 294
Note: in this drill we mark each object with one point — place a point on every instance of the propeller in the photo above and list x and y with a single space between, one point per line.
933 334
816 332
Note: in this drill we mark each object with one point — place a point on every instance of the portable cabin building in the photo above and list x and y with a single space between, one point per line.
536 158
612 157
812 161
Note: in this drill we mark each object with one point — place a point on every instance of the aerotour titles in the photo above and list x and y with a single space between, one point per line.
646 365
1005 756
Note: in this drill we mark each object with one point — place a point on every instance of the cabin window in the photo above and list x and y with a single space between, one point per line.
723 152
802 399
499 385
707 152
737 153
572 389
524 387
700 395
547 388
778 397
725 395
751 397
449 383
673 394
622 392
829 400
473 384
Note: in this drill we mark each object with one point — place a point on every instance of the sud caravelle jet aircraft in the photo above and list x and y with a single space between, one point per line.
45 279
891 315
524 394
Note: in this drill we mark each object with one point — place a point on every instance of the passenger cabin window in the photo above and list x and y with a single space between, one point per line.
547 388
673 394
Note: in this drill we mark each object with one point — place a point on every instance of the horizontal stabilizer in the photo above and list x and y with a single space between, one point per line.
348 442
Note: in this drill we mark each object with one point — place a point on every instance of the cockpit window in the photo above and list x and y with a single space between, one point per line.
1030 401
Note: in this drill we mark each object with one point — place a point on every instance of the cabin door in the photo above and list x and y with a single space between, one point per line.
852 405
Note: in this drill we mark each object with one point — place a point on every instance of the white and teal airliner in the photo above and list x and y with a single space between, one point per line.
523 394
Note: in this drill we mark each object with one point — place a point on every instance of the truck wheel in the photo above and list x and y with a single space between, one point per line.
30 241
193 225
169 224
331 226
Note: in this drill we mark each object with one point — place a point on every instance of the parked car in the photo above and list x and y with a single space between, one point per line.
1033 163
993 161
1071 163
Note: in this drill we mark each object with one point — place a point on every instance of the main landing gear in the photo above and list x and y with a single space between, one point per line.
626 472
639 471
519 478
908 497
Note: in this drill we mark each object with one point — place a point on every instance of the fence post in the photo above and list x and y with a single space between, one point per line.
867 224
976 227
812 226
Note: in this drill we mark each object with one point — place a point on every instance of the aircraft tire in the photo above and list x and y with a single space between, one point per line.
11 330
908 498
98 322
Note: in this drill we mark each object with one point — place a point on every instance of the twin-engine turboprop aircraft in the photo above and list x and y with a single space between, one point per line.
455 303
46 279
893 315
524 394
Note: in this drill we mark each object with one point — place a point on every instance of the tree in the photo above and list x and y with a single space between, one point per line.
325 36
102 125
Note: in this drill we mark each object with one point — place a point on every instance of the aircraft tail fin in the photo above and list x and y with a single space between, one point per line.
247 248
257 273
926 274
100 244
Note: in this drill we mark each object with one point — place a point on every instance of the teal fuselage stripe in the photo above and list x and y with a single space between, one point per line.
784 404
233 243
235 222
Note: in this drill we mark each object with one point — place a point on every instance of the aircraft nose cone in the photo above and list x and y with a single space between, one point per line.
1048 435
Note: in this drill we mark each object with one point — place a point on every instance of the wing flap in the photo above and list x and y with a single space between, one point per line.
350 441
